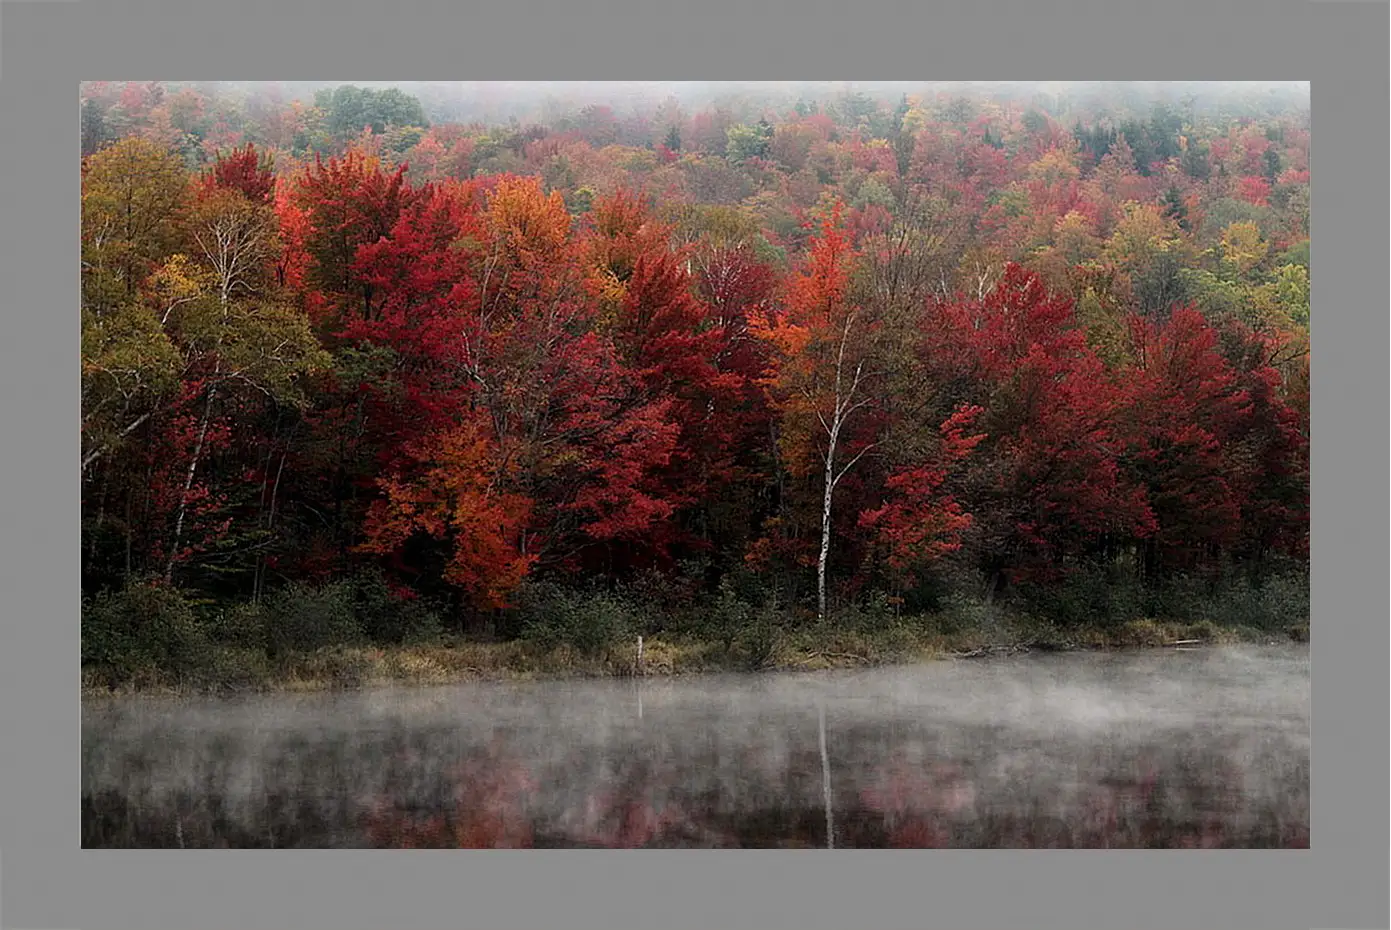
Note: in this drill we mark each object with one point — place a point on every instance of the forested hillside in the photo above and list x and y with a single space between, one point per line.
354 373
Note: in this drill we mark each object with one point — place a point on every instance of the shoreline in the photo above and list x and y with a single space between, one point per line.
462 661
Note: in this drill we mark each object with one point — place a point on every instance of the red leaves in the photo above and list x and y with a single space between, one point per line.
668 336
348 203
424 273
1186 406
246 171
685 353
1048 483
1254 190
1019 320
735 283
540 389
920 523
489 302
615 444
660 322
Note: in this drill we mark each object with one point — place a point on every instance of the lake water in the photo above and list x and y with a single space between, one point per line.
1208 747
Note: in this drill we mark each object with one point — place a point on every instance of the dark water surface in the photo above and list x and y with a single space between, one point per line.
1207 747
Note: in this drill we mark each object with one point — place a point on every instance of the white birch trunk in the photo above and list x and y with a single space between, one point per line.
188 486
826 523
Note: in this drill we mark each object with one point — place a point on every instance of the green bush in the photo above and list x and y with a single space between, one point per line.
301 618
1100 597
234 669
146 631
1274 603
384 618
1085 596
726 618
240 626
759 637
873 616
588 622
1205 630
748 586
1184 598
960 613
670 600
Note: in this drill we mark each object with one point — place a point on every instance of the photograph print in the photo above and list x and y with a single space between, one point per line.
712 465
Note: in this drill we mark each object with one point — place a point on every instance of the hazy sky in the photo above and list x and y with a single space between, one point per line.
501 100
615 90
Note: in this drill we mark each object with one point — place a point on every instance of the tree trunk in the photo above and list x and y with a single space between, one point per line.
188 486
825 529
270 525
101 518
129 498
101 450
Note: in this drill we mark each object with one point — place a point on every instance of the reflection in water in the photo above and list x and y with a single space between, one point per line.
1197 749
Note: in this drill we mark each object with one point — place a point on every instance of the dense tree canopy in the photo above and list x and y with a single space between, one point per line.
836 346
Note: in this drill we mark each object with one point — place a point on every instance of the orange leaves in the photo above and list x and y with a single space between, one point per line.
525 220
818 294
528 267
622 233
460 495
789 337
809 332
294 225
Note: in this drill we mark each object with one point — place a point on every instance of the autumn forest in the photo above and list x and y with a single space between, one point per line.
840 370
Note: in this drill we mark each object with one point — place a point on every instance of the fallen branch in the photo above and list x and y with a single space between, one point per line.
837 655
990 651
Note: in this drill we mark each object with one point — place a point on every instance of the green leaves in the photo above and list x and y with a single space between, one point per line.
129 369
348 109
745 142
269 347
133 194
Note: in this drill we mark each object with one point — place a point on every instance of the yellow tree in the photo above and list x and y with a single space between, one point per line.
133 193
221 306
1243 248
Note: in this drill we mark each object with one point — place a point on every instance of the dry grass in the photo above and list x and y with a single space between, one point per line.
811 649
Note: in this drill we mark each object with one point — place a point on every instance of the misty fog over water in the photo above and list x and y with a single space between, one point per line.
1208 747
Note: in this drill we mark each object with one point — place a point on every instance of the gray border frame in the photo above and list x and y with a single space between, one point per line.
48 48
